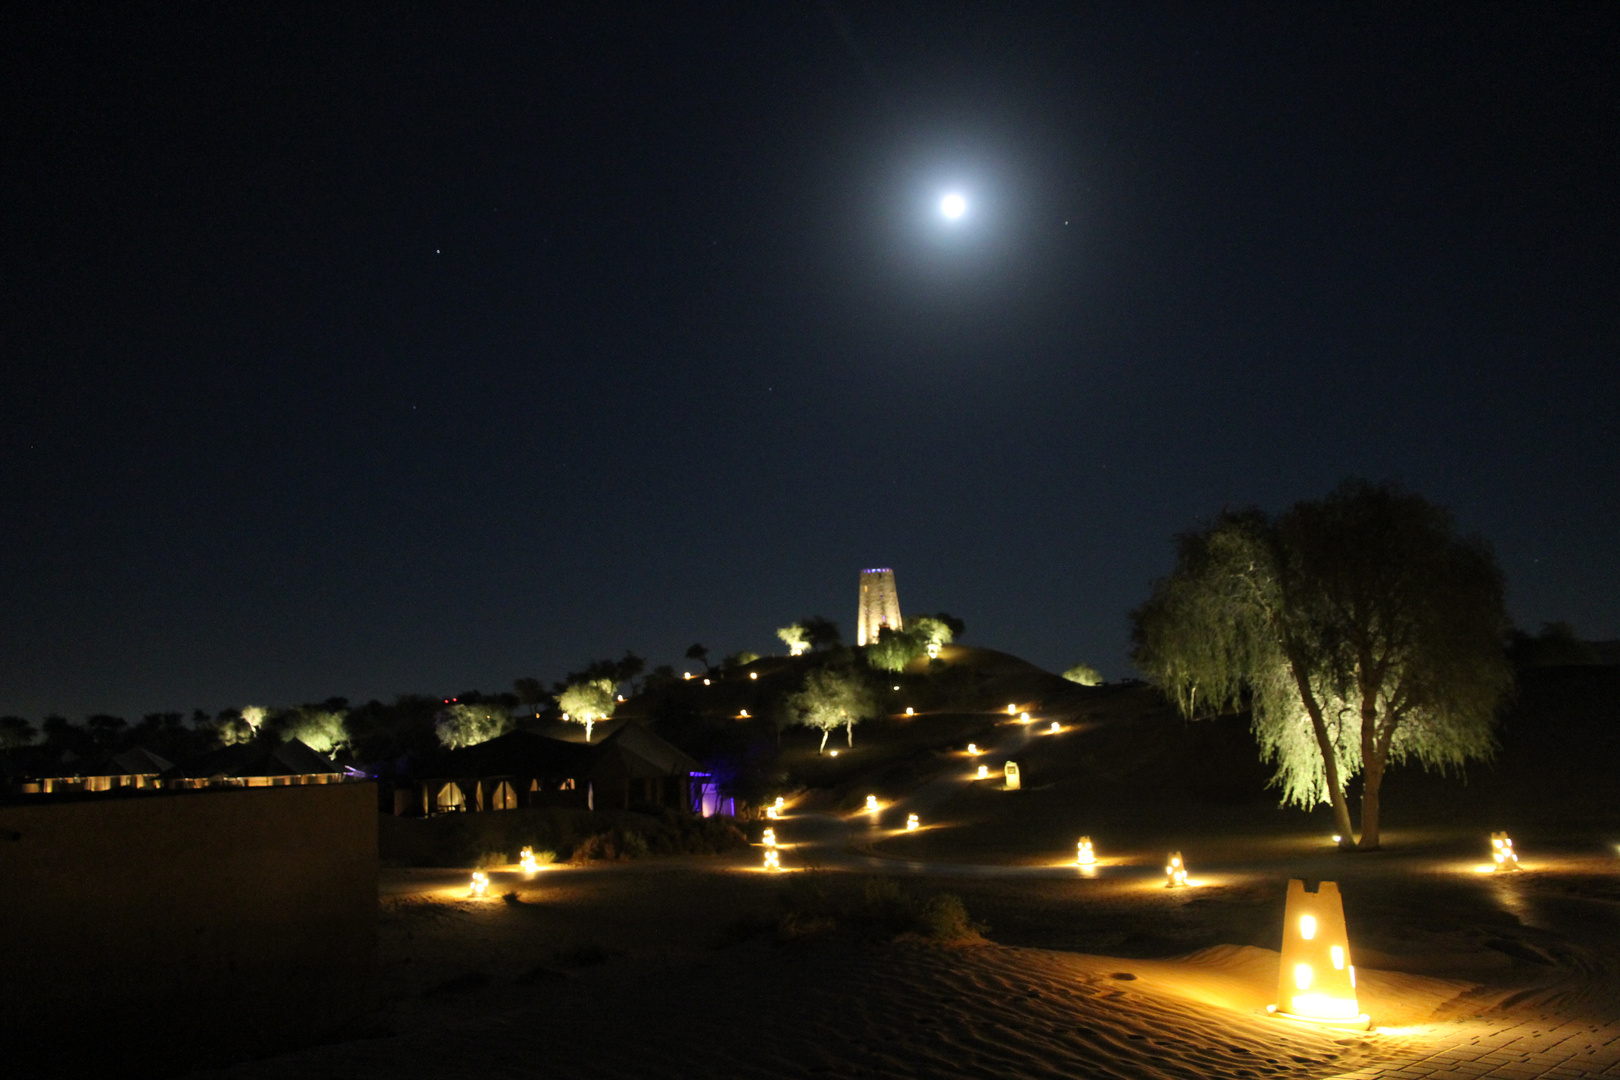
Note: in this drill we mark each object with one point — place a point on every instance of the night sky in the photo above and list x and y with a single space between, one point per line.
367 349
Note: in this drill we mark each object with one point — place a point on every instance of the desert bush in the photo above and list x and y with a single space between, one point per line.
883 912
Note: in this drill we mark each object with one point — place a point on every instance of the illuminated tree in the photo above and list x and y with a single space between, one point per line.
468 725
322 730
1084 674
794 638
894 649
832 698
1360 630
587 702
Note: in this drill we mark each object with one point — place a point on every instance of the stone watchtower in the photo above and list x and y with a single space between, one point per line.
880 605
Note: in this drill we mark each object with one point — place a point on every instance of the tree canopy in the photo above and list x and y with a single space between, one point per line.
1360 630
587 702
794 638
1084 674
462 724
833 697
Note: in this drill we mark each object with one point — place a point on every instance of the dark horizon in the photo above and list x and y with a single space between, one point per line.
356 351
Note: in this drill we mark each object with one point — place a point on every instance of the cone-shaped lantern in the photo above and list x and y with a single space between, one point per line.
1012 776
1317 981
1502 851
1084 856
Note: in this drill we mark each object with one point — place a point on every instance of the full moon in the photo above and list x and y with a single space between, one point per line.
953 206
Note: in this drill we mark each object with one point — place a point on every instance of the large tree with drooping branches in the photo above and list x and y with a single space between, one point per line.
1360 630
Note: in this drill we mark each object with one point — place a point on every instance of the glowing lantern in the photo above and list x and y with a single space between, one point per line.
527 861
973 749
911 823
753 674
770 838
984 773
1175 872
772 860
744 714
780 803
1055 727
1011 771
1084 856
933 650
1023 718
910 711
480 883
705 682
1316 981
1011 709
1502 852
871 804
835 753
686 675
770 813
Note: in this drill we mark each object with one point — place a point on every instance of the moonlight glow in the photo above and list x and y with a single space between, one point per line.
953 206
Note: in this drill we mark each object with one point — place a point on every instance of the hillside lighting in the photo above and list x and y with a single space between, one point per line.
769 839
772 860
686 674
1055 728
1315 980
705 682
871 804
933 650
1010 770
834 753
753 674
743 715
911 823
1011 709
480 883
984 773
973 750
910 711
1175 872
527 861
1083 855
1023 718
1502 851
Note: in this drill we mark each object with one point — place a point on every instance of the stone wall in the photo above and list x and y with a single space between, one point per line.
154 933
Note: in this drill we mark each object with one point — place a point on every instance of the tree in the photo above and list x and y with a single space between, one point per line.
587 702
1084 674
699 652
740 659
531 692
462 724
322 730
821 633
832 698
15 731
1360 630
794 638
894 649
956 626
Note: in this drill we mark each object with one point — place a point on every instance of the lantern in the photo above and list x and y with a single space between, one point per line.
1502 852
933 650
1011 709
769 838
1011 771
910 711
527 861
1023 718
1317 981
1055 727
871 804
770 812
984 773
772 860
744 715
973 749
911 823
753 674
1175 872
1084 856
480 883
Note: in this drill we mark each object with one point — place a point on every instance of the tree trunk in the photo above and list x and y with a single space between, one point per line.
849 729
826 731
588 724
1330 759
1372 780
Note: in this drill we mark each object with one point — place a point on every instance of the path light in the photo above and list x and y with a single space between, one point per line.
686 675
984 773
1084 856
1175 872
1502 852
753 674
1011 709
769 839
772 860
933 650
871 804
770 813
744 715
1011 772
526 860
910 711
911 823
1055 727
835 753
1023 718
1316 980
480 883
973 749
705 682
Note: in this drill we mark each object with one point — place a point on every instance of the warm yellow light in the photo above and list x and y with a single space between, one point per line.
984 772
769 839
1175 872
753 674
1307 926
1324 1006
772 861
780 802
1084 856
744 714
1011 709
835 753
527 861
910 711
1502 851
933 650
686 675
1024 716
1302 976
1337 839
1055 727
911 823
1337 953
480 883
770 813
1312 980
705 682
871 804
1014 779
973 749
